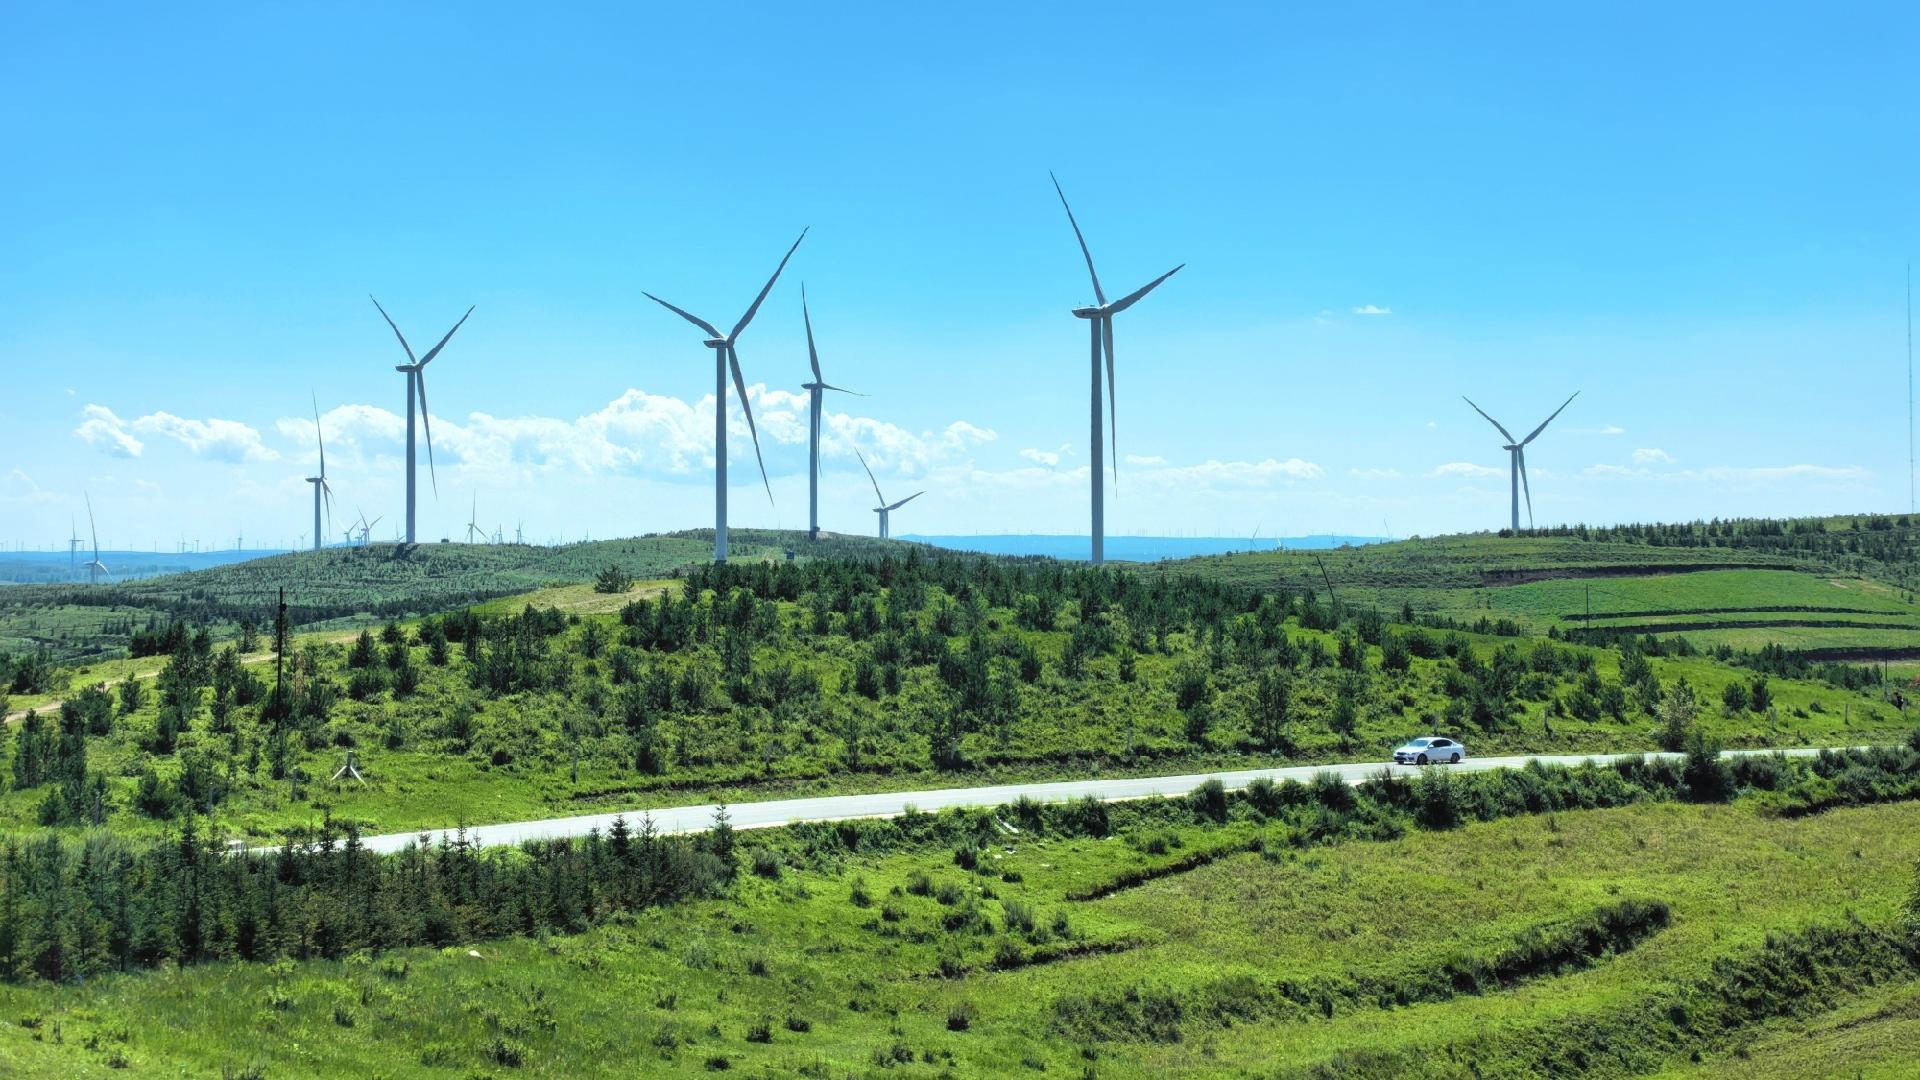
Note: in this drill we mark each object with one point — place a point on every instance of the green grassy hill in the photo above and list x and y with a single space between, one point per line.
343 587
1833 588
1298 931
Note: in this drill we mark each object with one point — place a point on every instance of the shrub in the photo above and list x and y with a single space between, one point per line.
766 863
1018 916
760 1031
1209 800
858 894
960 1016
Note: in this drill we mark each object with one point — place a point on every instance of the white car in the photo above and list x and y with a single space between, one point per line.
1430 749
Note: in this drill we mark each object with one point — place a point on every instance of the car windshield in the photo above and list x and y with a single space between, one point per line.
1417 742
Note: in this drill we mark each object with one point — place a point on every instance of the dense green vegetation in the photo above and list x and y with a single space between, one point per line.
343 587
1600 922
836 675
1829 589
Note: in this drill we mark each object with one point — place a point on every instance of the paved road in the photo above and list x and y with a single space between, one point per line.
764 815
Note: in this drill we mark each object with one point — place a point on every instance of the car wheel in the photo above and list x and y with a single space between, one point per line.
1455 759
1423 759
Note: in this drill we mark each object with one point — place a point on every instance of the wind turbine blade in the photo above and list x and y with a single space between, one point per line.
1091 272
683 313
1113 419
842 389
1133 297
1549 420
1521 454
1490 419
870 479
740 388
435 351
764 290
396 329
90 526
904 501
317 435
420 385
813 355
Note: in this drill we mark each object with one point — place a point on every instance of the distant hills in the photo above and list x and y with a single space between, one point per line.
1137 548
52 567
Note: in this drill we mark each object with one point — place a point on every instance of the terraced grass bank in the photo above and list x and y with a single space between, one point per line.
1332 939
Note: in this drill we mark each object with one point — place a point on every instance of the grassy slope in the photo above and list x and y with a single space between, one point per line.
1468 577
678 988
1874 1038
339 587
1076 727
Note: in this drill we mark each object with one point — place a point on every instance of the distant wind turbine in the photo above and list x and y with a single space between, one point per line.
473 525
816 390
96 567
1517 457
73 547
415 371
320 485
1100 321
725 358
885 507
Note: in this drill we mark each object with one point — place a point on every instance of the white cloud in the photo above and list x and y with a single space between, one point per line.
1433 425
1239 474
1145 459
221 440
1611 429
106 432
1613 470
1372 309
642 433
1041 457
1652 456
1374 474
1465 468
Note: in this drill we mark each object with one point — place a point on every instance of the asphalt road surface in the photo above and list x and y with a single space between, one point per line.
766 815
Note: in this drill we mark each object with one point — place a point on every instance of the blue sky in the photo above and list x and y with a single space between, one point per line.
1698 215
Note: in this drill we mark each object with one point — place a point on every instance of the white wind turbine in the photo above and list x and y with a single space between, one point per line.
415 371
1100 322
725 359
96 567
1517 457
320 485
815 391
473 521
885 507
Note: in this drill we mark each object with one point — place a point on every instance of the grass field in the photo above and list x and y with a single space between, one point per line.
790 717
1876 1037
838 970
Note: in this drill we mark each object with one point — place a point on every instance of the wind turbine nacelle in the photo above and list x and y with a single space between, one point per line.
1087 312
716 343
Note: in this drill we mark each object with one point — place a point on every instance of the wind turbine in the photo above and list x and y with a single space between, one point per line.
320 485
884 508
1100 322
725 358
96 567
815 390
415 371
366 527
473 520
73 547
1517 457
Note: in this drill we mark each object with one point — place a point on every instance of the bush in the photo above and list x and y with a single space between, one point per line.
1209 800
1018 917
767 863
960 1016
613 580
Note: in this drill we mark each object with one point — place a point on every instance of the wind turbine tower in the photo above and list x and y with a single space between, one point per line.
815 391
885 507
320 486
96 567
726 358
415 371
73 548
1517 457
1100 322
